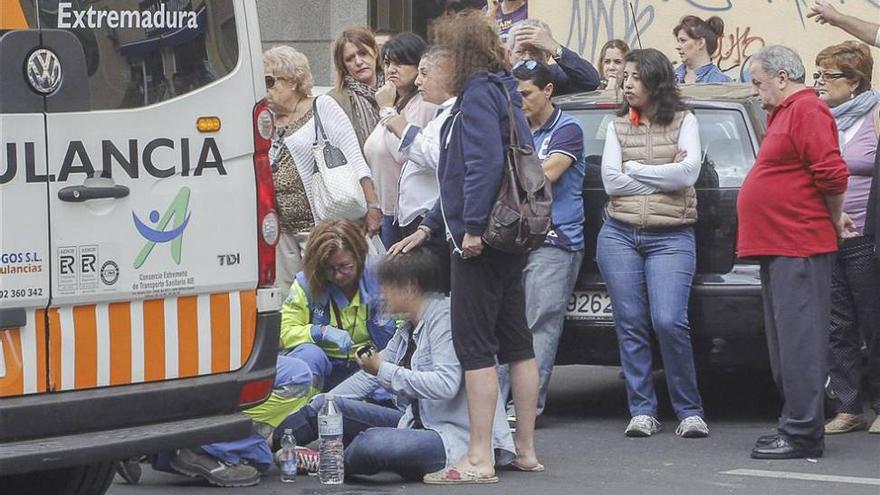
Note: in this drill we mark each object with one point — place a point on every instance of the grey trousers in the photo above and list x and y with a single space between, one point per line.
797 314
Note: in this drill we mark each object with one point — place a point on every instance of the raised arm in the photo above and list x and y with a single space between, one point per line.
866 31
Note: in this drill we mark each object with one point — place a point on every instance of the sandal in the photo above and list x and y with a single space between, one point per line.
452 476
516 466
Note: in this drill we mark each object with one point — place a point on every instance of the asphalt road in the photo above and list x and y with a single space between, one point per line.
580 439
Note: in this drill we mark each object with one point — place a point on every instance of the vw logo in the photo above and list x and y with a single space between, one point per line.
44 71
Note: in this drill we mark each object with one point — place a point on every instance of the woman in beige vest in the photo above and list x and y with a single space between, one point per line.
646 250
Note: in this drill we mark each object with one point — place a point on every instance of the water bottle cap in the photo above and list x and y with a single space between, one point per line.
288 431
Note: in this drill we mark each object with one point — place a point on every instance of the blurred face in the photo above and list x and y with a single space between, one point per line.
360 62
401 75
832 86
636 93
340 268
767 87
280 91
535 100
612 63
433 80
689 49
398 299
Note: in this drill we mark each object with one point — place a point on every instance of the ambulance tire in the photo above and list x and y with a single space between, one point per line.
91 479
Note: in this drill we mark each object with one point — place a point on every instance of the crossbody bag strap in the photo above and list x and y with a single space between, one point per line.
319 128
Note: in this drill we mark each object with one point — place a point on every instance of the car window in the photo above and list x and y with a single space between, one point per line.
727 147
142 52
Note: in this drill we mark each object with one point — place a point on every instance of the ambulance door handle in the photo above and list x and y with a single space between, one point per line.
78 194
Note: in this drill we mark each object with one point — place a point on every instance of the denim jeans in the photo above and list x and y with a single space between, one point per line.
548 278
649 273
373 443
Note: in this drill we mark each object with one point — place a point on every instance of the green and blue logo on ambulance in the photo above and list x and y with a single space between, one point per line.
167 228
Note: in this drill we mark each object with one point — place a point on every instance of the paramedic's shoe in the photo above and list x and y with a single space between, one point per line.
129 470
213 470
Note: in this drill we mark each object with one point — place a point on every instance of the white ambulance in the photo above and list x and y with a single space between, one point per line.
137 234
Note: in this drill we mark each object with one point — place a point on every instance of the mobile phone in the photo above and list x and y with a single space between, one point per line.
365 350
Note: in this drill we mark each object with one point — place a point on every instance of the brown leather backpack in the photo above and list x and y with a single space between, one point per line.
520 218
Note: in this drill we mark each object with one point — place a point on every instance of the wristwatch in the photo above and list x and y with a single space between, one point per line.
558 53
425 229
386 112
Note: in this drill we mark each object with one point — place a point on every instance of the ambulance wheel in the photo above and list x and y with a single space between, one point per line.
91 479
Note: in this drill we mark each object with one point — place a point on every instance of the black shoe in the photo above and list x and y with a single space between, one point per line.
765 439
213 470
784 448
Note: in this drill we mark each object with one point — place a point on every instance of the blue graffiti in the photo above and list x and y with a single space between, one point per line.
728 4
595 20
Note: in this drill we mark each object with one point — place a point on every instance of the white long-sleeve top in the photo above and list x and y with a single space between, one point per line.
419 189
634 178
339 132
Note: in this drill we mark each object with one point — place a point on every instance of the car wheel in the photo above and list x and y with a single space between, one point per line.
91 479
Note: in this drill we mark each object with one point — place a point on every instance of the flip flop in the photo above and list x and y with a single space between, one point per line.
537 468
452 476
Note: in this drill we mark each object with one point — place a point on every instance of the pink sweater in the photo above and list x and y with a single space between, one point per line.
383 157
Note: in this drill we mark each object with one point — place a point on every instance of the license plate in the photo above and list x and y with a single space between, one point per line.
589 305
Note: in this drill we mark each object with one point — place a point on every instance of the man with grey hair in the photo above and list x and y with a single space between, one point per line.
790 211
531 39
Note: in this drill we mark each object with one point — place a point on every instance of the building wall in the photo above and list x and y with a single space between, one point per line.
585 25
309 26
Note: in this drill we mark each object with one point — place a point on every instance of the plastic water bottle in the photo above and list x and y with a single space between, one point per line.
331 469
287 457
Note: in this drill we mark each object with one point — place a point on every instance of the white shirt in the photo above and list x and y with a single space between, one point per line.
633 178
419 188
339 132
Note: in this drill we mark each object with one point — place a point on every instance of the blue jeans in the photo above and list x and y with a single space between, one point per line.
373 443
390 232
548 278
649 273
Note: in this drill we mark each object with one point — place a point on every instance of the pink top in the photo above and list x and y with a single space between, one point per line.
859 154
380 150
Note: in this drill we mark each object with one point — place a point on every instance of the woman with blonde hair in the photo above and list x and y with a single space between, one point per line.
843 81
358 76
334 306
289 95
611 63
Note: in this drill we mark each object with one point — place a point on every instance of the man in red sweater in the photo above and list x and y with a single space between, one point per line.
791 217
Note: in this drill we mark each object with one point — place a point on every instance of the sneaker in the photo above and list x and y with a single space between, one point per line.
692 427
213 470
307 460
129 470
642 426
875 426
845 423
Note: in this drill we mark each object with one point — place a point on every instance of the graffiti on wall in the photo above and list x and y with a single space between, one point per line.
749 25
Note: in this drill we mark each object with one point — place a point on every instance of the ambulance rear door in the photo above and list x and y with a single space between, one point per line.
24 216
152 195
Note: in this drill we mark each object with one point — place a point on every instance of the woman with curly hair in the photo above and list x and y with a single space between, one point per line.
488 301
646 250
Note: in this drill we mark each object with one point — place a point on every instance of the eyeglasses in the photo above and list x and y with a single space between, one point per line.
827 75
270 81
529 64
345 269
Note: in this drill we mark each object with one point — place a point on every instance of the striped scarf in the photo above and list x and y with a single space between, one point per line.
365 110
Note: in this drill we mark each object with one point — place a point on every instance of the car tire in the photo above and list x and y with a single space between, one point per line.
91 479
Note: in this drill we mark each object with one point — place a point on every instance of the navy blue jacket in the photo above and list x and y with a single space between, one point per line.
573 74
473 145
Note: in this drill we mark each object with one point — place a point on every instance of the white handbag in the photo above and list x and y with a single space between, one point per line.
336 188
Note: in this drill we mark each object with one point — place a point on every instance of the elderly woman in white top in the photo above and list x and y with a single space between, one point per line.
401 55
289 94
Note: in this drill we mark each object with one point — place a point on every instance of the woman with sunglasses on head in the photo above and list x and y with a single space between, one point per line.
334 306
399 96
646 248
358 76
696 42
289 95
843 81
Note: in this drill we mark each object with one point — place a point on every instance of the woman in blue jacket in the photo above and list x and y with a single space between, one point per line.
488 301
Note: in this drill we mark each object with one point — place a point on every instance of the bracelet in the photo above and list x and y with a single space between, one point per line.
425 229
373 206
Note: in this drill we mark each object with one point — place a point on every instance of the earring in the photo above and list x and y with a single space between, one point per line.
851 95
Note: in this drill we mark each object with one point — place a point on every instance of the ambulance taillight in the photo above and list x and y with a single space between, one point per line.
267 217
